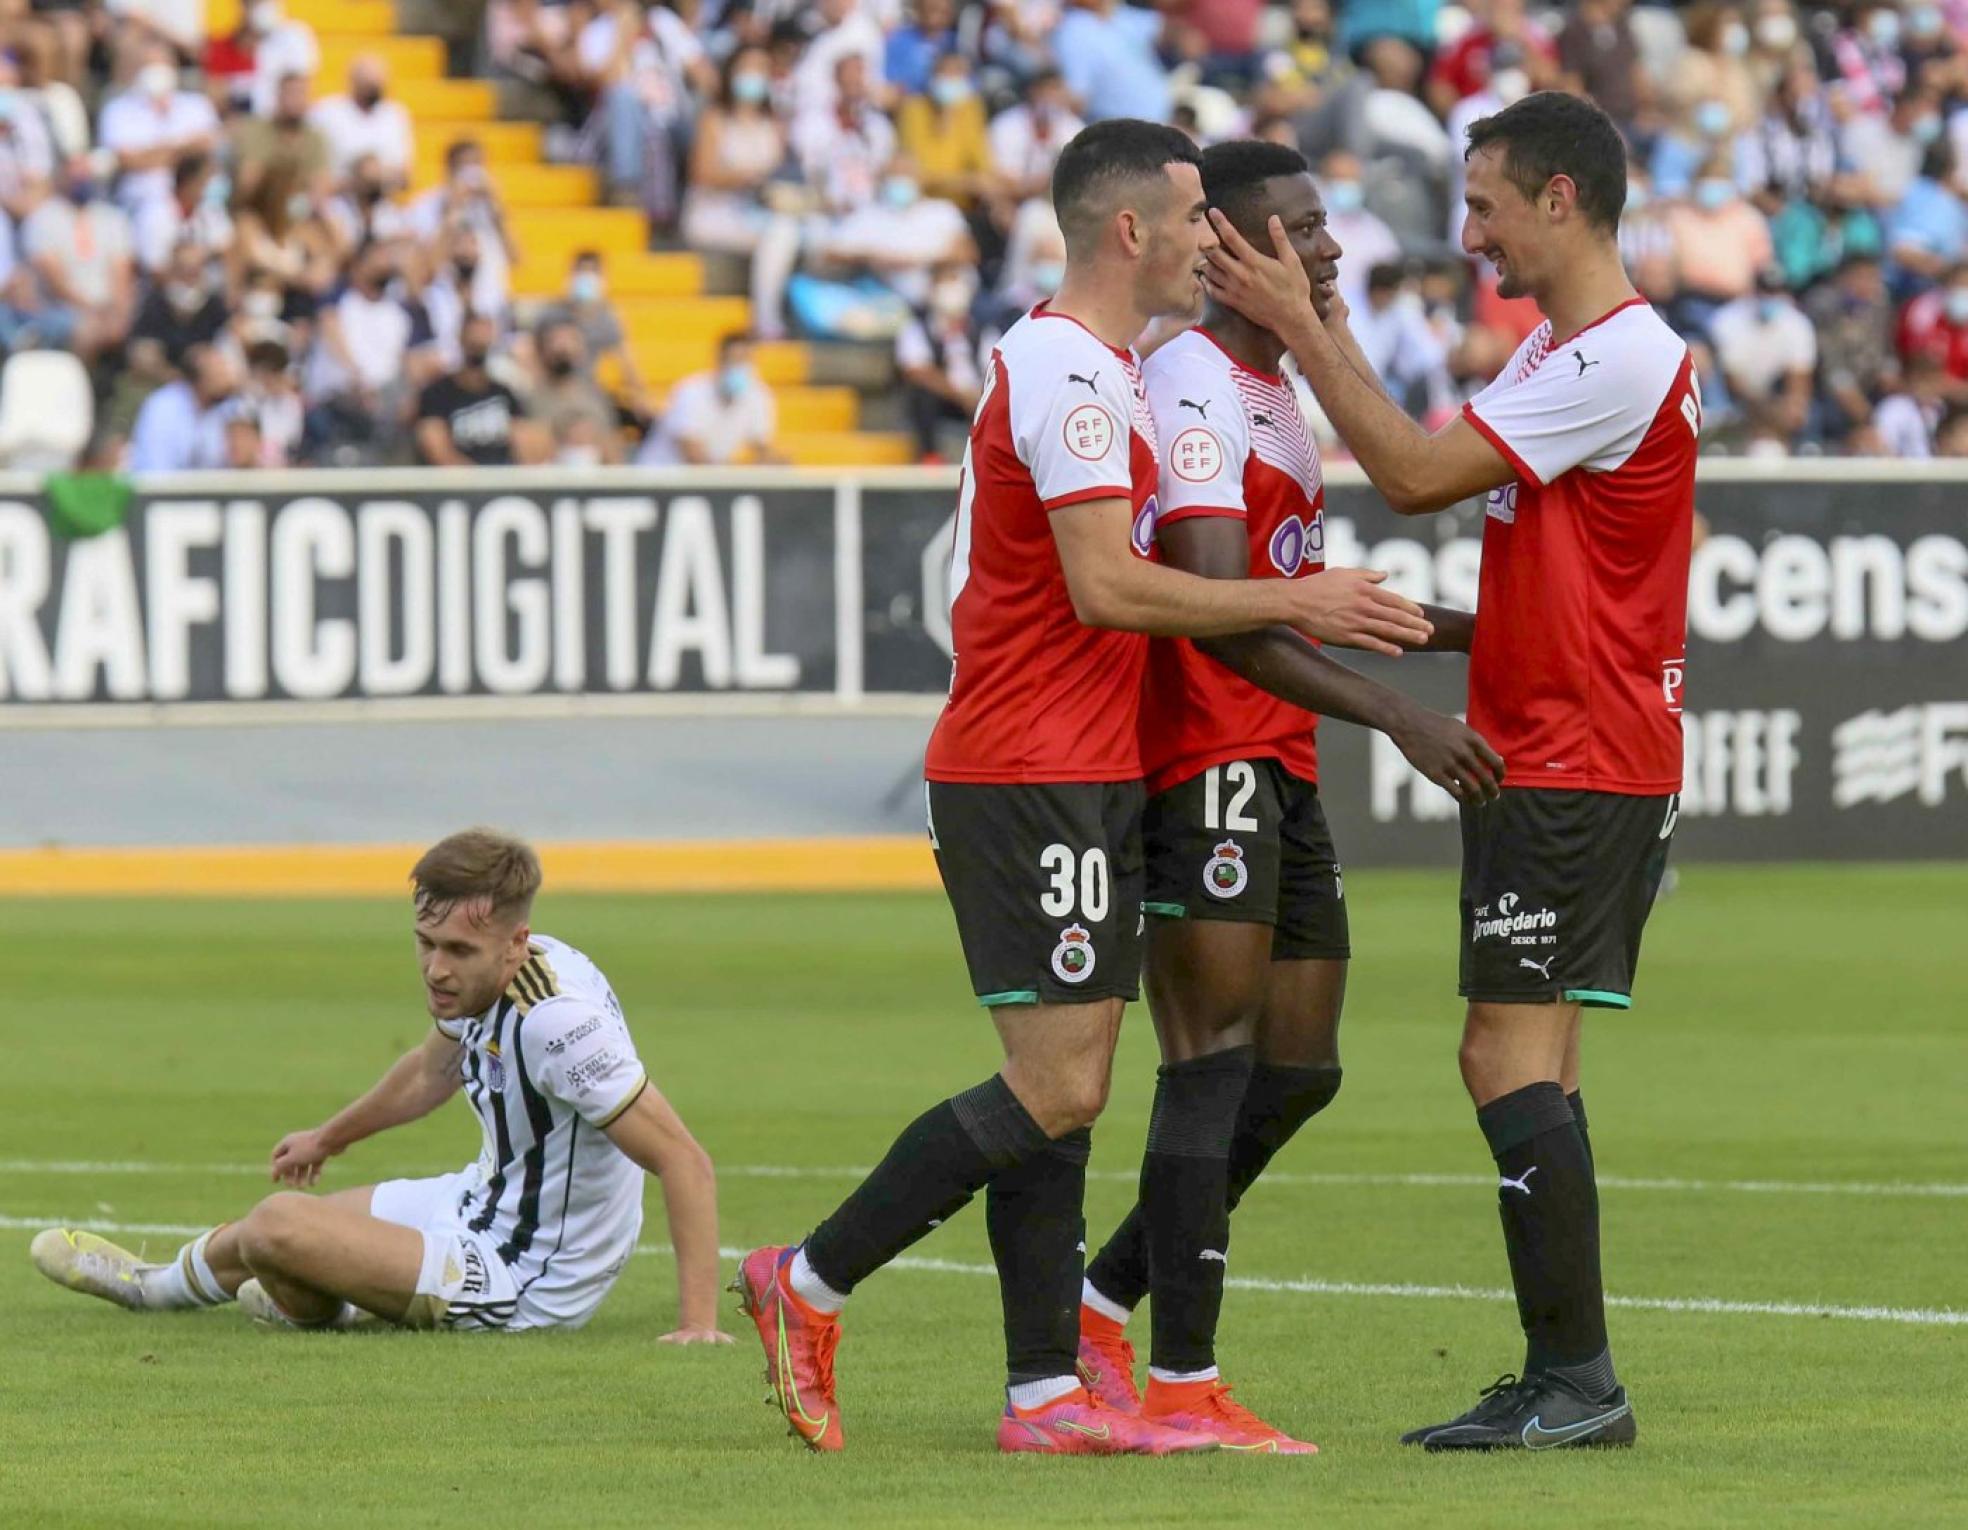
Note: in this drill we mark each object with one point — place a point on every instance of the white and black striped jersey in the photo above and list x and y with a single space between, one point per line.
545 1069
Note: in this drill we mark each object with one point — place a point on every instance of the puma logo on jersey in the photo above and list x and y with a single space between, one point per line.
1523 1182
1091 382
1202 408
1579 357
1258 419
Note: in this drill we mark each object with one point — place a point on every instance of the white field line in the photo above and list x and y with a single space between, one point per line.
1865 1188
1919 1317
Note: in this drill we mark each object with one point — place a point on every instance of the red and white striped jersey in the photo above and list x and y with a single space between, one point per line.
1035 695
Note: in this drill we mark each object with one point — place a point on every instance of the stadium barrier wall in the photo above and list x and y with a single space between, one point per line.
1826 679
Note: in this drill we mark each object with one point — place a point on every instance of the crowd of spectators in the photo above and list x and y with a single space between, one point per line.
232 246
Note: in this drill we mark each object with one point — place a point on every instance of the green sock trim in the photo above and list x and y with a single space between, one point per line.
1009 996
1598 998
1165 910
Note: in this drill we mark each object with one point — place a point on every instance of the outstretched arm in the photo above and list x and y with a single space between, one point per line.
417 1083
651 1134
1415 471
1280 661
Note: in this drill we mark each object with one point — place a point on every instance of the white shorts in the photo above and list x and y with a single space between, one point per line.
463 1283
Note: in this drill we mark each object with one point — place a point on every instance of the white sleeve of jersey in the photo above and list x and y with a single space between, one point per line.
1071 427
581 1055
1588 405
1205 440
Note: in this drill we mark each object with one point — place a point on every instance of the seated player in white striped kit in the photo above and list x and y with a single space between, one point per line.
530 1235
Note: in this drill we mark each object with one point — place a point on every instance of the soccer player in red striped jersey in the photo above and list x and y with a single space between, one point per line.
1035 796
1247 940
1585 447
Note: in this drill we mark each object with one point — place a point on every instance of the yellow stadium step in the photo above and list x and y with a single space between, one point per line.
461 100
503 142
523 186
354 16
846 448
780 362
406 58
817 410
542 271
661 321
617 230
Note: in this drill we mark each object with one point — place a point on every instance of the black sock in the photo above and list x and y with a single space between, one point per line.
1548 1207
1577 1102
1185 1202
940 1161
1035 1213
1277 1102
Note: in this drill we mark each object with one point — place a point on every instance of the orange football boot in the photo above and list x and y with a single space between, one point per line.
1207 1408
799 1347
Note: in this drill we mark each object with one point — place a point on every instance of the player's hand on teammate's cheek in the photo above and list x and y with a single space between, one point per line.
695 1336
1268 289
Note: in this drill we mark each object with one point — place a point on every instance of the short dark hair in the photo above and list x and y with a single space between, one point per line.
1235 172
1550 133
1117 158
1387 274
737 337
458 149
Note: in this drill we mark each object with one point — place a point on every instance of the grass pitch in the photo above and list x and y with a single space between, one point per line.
1780 1123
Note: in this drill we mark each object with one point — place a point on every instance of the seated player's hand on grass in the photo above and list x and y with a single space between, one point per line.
692 1334
1272 291
1346 607
1452 755
298 1157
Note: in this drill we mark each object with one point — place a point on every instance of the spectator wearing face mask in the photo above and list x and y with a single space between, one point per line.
587 308
280 227
1935 324
716 418
366 121
1034 264
80 249
943 131
468 417
938 356
370 356
902 235
913 49
1367 240
1720 243
1466 65
843 147
186 307
273 396
1714 67
1768 353
567 402
1889 148
182 427
1865 55
1394 334
1696 136
1774 42
151 126
739 149
468 200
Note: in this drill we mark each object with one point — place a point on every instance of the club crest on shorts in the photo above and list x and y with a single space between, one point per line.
1072 958
1225 874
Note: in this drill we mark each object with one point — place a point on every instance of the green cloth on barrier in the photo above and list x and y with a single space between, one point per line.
87 504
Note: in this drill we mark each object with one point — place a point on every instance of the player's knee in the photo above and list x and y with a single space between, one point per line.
271 1235
1070 1100
1477 1059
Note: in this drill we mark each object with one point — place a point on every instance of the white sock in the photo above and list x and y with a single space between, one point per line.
1027 1395
187 1281
1106 1306
810 1288
1156 1373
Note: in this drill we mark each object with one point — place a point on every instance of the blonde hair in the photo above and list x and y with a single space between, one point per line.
477 865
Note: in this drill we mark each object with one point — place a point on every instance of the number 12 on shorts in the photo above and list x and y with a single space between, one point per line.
1085 875
1242 780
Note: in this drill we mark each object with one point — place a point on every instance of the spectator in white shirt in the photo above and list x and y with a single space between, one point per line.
79 246
469 200
152 125
902 236
182 427
281 46
716 417
940 360
1398 342
1367 240
847 31
371 357
1026 139
644 70
189 213
843 147
1907 418
366 121
178 23
1768 353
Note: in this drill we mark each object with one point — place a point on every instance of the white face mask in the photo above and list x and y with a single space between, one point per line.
157 80
1776 33
265 15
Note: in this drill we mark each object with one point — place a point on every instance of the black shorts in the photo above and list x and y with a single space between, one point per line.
1252 846
1045 881
1556 889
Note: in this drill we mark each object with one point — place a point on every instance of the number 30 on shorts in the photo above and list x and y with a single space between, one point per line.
1085 875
